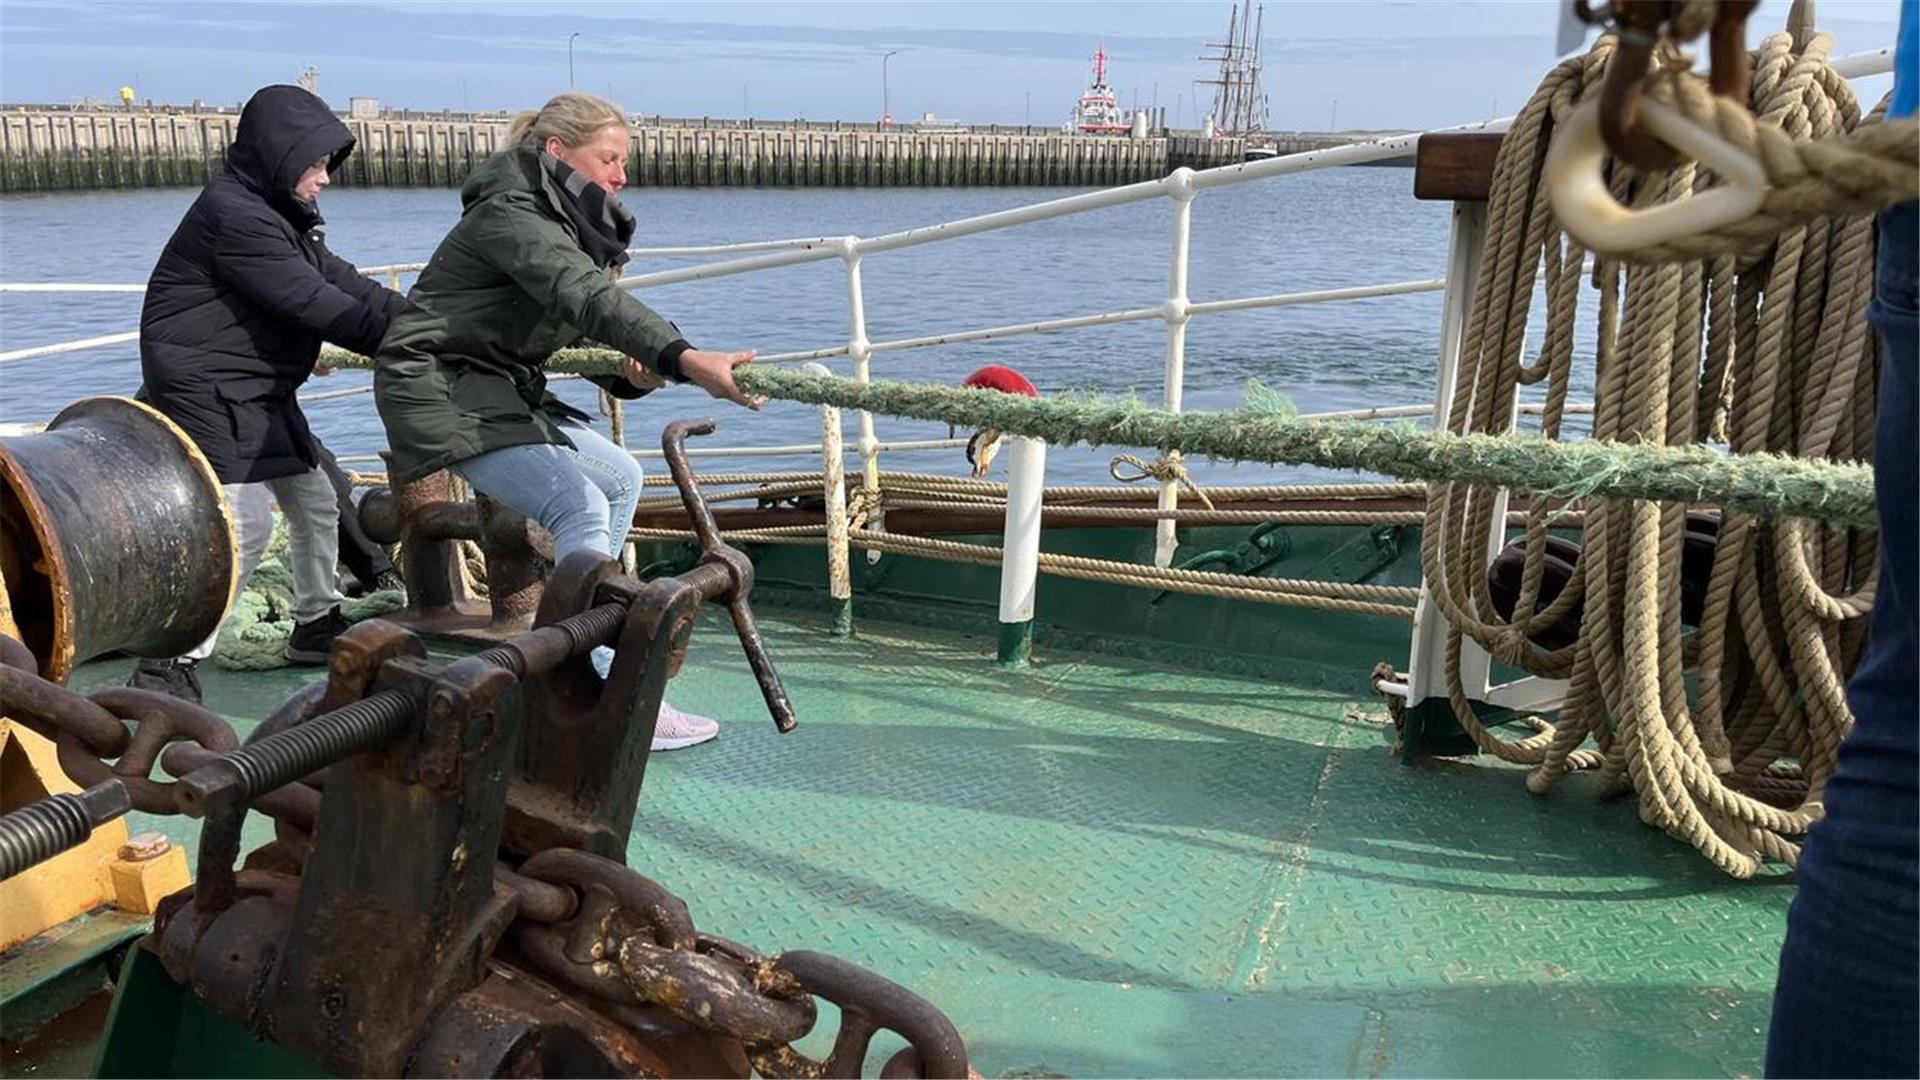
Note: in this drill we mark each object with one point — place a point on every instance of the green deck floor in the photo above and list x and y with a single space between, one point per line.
1098 867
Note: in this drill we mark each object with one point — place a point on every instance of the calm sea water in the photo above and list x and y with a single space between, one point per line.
1317 230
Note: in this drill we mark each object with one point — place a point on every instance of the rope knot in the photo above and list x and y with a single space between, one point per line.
1163 470
862 505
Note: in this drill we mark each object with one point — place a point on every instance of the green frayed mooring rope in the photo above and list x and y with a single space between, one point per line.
1769 485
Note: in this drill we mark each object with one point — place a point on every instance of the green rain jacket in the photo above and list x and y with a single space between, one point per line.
462 373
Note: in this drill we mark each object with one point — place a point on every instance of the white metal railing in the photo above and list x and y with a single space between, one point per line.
1181 187
1174 310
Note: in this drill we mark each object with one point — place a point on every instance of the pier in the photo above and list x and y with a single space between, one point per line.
60 149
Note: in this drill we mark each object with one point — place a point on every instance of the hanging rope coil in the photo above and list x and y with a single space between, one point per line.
1770 353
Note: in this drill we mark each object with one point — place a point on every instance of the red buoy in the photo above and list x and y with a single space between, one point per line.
1001 378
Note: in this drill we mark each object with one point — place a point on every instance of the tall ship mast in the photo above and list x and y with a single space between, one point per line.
1098 111
1239 105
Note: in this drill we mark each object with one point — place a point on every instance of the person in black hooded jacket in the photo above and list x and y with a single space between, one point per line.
239 303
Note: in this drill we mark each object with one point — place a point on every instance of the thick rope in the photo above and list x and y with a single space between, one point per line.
1768 485
1769 352
1764 484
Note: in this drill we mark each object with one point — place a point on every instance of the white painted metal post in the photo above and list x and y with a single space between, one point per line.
833 469
1426 686
1179 184
1426 669
1020 547
861 350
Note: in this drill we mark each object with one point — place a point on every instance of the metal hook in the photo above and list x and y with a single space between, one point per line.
1576 182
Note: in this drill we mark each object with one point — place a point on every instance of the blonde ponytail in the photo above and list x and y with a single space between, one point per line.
572 118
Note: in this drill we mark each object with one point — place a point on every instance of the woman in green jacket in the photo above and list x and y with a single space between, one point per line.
529 269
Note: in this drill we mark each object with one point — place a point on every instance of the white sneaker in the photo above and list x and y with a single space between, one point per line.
676 730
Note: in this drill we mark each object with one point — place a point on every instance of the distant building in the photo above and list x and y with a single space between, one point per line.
363 108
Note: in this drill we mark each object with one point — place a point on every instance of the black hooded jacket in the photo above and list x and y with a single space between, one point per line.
246 290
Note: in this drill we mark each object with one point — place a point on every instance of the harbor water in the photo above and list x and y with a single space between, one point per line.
1318 230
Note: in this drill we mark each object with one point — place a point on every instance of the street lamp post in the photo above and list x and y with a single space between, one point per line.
886 107
570 38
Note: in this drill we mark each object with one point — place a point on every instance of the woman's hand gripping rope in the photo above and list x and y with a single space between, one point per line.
713 372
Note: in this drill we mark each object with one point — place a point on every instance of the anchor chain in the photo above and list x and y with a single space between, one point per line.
627 942
586 923
116 734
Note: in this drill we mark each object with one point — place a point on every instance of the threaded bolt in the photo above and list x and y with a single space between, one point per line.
286 756
46 827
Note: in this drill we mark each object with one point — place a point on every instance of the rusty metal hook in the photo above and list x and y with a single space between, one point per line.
1640 25
739 569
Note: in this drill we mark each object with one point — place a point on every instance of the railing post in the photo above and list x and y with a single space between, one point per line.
861 350
1427 697
1020 548
833 470
1179 184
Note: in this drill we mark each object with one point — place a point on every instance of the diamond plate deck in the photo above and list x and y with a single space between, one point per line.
1103 867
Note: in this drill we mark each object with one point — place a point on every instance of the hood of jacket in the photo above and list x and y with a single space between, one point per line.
282 130
515 170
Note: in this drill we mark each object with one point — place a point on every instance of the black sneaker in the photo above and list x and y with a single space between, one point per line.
312 640
388 581
180 678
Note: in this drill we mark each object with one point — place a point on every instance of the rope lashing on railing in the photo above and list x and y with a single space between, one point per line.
1387 601
1131 469
1768 485
1770 353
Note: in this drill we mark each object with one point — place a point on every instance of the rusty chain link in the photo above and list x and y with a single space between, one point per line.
157 720
55 712
629 942
120 733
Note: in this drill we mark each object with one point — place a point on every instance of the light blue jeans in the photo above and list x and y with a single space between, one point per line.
584 496
312 510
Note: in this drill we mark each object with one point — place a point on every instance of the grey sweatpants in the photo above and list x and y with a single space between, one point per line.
313 540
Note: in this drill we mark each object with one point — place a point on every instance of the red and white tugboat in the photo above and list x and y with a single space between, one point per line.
1098 111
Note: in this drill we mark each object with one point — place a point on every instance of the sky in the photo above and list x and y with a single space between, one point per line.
1329 63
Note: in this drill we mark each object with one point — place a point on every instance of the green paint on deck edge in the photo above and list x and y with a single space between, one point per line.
1016 643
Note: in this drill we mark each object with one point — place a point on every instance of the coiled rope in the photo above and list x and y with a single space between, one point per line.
1770 352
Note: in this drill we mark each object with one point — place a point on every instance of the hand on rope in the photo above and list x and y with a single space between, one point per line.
641 376
1165 469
